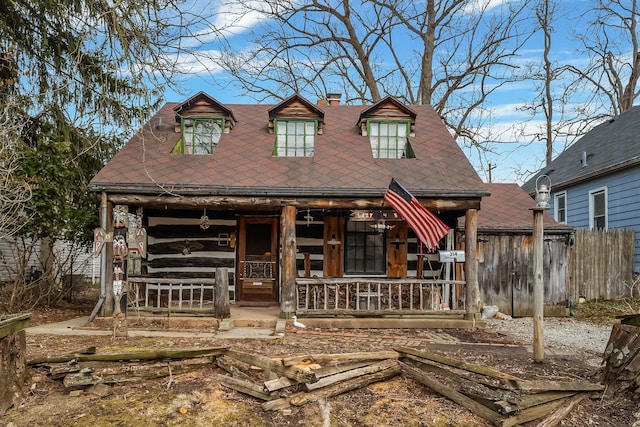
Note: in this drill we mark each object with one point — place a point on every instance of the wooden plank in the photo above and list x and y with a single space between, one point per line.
459 398
275 366
351 384
537 386
134 355
223 363
560 413
347 375
340 357
245 387
529 400
256 202
482 370
14 324
278 384
532 413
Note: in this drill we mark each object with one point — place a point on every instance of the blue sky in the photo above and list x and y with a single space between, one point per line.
507 118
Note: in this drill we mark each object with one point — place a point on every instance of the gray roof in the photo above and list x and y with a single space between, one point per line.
607 148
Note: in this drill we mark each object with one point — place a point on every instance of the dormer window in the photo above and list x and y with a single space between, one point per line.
200 135
389 139
294 137
201 121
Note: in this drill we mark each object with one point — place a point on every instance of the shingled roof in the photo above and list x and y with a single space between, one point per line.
508 209
243 164
607 148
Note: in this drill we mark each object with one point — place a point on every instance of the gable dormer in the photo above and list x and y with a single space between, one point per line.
388 124
295 122
201 120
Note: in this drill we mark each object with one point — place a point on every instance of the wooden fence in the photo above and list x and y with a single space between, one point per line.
601 264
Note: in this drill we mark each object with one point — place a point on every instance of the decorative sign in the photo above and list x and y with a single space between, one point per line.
100 237
375 215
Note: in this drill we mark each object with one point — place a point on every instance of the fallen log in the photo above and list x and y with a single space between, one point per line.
131 356
459 398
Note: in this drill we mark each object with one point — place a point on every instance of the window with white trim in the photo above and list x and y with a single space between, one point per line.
560 207
389 139
598 209
295 138
200 135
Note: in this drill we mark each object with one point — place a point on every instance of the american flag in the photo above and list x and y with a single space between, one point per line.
426 225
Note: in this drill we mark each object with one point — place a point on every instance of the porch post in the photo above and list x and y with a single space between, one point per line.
472 299
106 275
288 266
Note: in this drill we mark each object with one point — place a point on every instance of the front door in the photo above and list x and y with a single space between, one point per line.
258 260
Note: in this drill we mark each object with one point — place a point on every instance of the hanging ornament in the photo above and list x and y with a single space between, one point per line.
308 217
204 220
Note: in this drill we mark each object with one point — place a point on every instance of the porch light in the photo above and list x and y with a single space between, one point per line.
543 192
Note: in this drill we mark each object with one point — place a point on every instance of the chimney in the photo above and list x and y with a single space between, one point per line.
334 98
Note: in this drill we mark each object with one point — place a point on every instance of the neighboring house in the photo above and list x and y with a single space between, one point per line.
289 198
20 260
505 254
595 183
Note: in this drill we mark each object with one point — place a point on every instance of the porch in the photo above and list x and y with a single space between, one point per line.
345 299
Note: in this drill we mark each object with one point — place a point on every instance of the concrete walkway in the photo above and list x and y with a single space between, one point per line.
245 323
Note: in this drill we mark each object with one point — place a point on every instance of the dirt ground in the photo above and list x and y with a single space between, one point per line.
197 399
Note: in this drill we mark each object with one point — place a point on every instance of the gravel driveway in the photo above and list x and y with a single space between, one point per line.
564 334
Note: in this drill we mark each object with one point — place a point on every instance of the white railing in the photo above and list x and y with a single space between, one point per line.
376 294
146 292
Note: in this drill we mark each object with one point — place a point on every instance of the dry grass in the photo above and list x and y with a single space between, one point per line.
605 312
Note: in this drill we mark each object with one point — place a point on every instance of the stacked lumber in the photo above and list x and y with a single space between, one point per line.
85 368
503 399
282 383
295 381
622 357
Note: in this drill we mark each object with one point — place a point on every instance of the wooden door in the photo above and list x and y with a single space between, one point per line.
258 260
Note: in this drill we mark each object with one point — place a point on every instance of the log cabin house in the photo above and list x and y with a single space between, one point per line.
288 200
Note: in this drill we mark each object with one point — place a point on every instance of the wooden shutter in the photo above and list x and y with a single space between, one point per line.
333 265
397 250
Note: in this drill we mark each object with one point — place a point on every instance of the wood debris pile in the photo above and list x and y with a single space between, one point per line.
281 383
622 357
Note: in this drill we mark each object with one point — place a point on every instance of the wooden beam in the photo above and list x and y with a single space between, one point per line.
288 266
538 286
239 202
457 397
14 324
472 300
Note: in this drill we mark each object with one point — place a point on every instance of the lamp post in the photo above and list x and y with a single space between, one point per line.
542 204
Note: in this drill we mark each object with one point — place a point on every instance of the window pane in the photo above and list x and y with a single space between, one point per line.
598 203
388 139
295 138
365 249
201 135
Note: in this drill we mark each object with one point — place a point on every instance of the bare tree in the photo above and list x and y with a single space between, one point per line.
451 54
610 43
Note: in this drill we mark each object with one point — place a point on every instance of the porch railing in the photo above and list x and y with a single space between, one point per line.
366 296
146 293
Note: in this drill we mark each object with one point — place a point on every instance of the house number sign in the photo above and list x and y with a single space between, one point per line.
375 215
